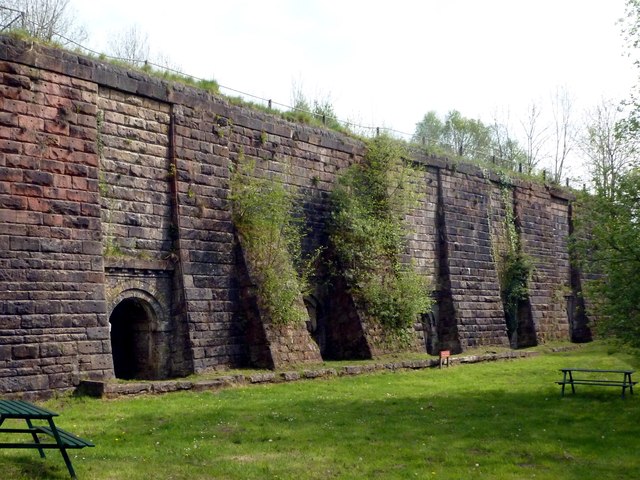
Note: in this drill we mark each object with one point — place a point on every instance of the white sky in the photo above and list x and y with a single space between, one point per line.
387 63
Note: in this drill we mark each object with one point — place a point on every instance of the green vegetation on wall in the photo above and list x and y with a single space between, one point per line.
271 236
368 234
513 266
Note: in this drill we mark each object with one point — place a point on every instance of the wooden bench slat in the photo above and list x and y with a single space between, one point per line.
593 370
45 446
10 408
612 383
68 439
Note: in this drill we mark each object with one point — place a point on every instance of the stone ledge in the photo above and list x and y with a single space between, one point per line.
99 389
262 378
136 264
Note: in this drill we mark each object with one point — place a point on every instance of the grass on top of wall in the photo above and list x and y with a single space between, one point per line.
498 420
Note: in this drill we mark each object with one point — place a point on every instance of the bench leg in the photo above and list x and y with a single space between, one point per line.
628 380
35 437
67 462
573 387
63 450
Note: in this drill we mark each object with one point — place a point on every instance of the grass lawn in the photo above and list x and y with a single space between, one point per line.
500 420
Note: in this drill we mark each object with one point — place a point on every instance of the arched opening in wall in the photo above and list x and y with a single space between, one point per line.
316 325
430 330
579 330
520 326
132 323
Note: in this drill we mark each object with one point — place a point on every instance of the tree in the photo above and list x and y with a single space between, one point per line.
429 131
609 149
631 33
562 133
130 45
607 240
47 20
507 152
535 136
10 18
467 137
607 229
324 111
319 111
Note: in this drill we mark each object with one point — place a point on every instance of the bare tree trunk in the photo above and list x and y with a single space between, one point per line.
563 131
609 152
48 20
535 136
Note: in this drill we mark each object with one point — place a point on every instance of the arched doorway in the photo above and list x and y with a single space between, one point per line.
132 322
316 325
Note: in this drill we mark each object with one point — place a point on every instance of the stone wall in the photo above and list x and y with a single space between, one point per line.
544 223
115 224
53 316
474 289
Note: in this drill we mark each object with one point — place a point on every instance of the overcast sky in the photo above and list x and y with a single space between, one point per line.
387 63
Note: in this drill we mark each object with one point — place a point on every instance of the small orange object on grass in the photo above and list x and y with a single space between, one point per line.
444 357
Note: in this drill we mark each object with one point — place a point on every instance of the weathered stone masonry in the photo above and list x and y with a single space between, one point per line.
118 256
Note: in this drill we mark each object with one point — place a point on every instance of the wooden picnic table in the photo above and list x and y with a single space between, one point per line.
596 379
20 410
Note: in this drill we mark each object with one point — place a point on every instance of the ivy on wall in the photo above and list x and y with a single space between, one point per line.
513 266
368 231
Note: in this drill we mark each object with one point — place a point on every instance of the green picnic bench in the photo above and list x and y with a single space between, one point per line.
589 376
20 410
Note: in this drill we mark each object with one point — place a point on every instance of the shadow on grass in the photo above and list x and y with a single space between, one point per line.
502 420
20 464
366 427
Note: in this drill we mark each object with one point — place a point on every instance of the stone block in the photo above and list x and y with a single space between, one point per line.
290 376
5 353
170 386
113 390
61 380
90 347
204 385
21 352
97 333
101 362
262 377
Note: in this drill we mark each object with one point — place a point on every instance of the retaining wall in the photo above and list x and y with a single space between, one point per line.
114 186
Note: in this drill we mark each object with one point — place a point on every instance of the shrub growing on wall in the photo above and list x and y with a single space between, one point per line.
513 266
368 234
271 236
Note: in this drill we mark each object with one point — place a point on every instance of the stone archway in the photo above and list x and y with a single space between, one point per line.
137 340
316 324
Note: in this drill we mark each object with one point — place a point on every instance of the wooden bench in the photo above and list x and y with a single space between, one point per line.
595 377
63 440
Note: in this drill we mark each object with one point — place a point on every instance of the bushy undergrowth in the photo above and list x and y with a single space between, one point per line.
271 236
368 235
606 248
513 266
